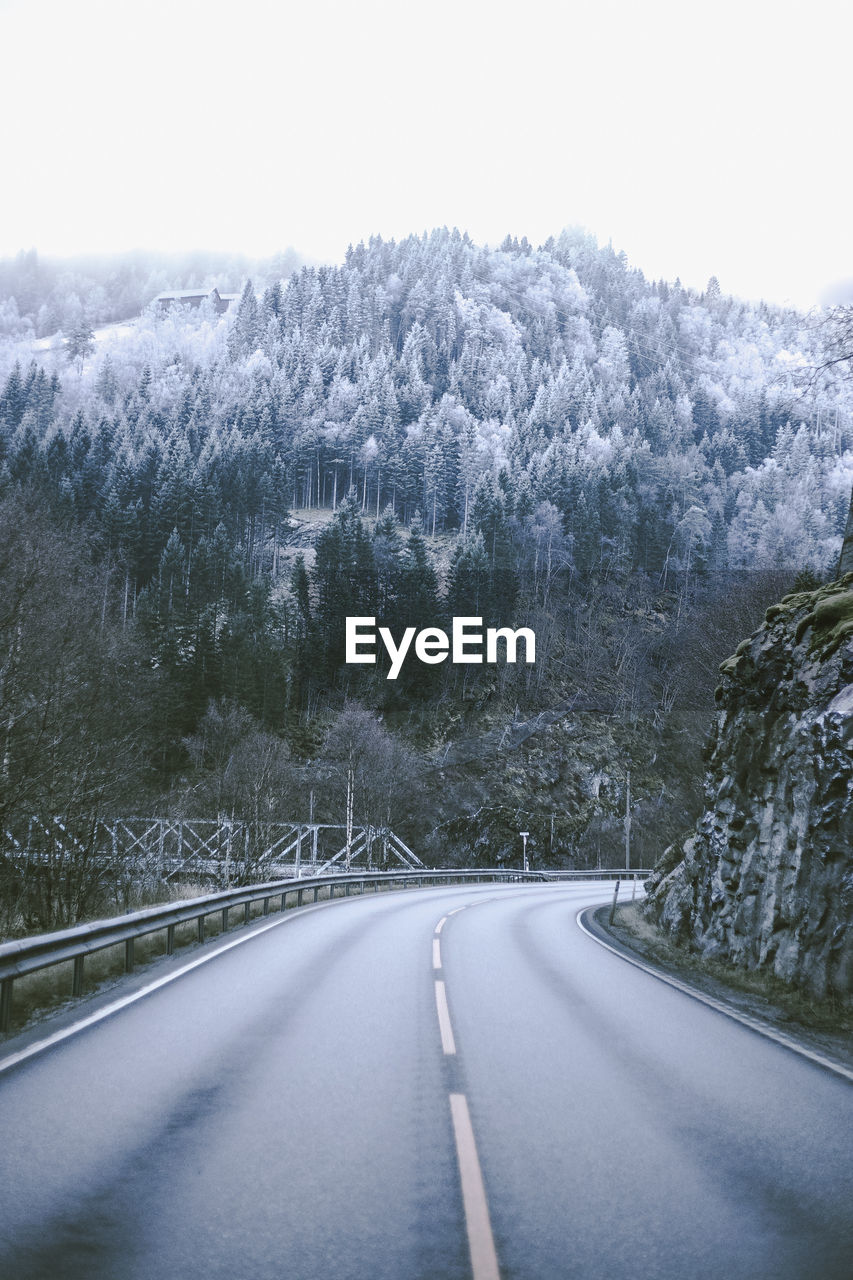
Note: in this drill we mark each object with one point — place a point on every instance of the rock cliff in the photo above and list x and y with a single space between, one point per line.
766 879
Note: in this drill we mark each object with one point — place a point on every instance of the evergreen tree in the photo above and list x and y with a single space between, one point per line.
79 344
468 593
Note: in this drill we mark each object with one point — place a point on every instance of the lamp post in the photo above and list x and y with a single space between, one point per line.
524 835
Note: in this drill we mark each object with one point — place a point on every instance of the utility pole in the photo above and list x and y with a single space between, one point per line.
628 824
524 835
350 791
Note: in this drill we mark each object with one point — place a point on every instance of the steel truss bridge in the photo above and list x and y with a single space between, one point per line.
222 849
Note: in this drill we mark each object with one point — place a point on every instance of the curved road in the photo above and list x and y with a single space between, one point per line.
423 1086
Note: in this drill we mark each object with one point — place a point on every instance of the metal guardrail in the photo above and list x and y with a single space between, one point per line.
600 873
28 955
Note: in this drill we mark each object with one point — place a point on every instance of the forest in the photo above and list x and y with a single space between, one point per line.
192 503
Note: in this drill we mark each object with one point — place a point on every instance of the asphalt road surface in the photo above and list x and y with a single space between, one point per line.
423 1086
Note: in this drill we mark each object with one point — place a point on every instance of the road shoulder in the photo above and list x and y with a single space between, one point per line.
790 1017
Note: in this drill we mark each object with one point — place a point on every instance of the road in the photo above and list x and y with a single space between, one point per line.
424 1086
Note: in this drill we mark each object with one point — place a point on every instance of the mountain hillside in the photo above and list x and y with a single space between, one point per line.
647 425
538 437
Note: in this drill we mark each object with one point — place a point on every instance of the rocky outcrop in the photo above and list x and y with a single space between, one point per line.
766 879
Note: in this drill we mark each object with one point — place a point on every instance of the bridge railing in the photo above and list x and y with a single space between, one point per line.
28 955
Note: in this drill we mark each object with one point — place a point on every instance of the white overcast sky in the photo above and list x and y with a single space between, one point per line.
699 137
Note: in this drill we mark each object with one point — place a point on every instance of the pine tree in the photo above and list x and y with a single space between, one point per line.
468 579
417 604
79 344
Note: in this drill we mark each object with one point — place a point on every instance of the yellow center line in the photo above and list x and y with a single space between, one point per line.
448 1044
484 1260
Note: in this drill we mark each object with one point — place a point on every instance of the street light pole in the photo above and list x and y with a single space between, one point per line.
524 835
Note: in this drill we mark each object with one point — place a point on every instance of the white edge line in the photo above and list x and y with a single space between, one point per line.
743 1018
484 1260
442 922
448 1044
117 1005
436 954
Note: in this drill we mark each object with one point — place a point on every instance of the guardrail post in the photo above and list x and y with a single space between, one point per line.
615 896
77 977
284 901
128 955
170 939
331 892
6 1003
348 887
316 893
266 906
299 893
224 919
201 928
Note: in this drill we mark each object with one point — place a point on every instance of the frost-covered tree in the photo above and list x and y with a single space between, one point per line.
79 343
